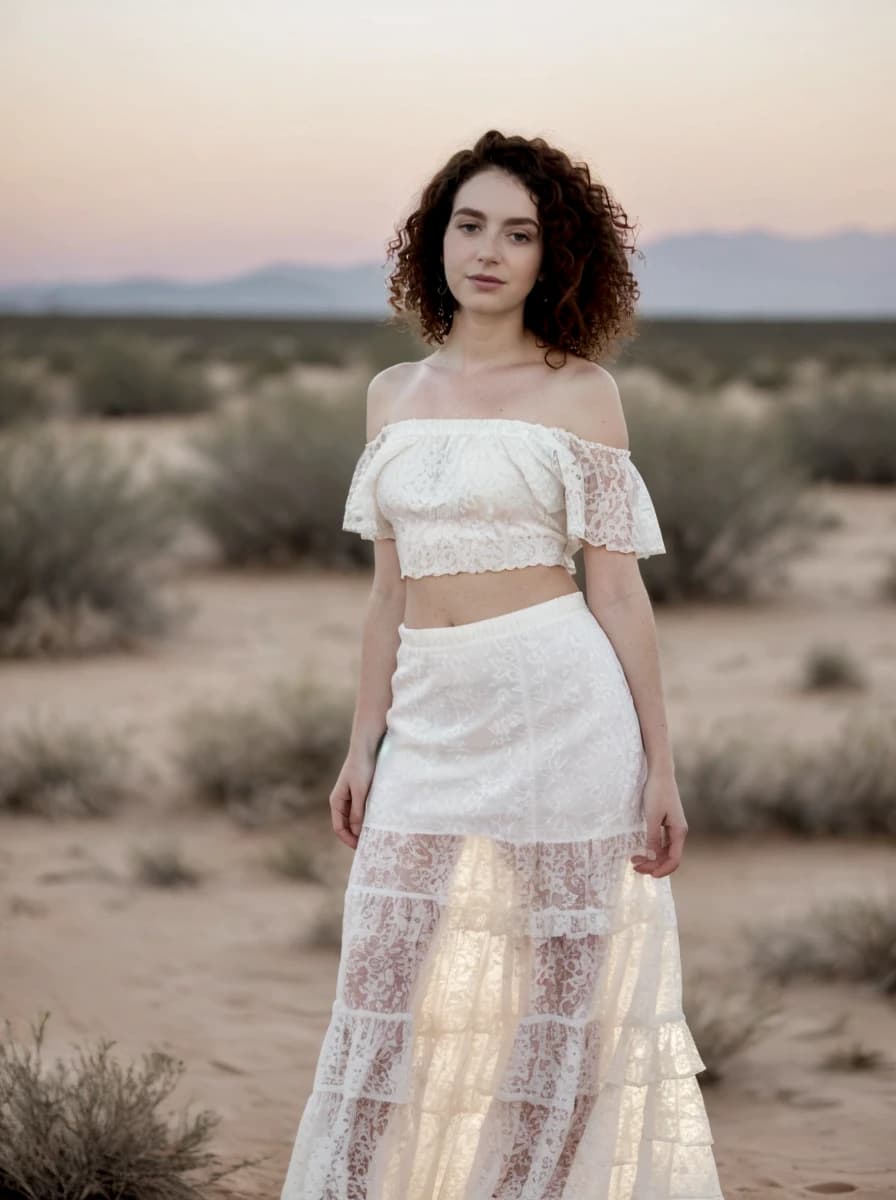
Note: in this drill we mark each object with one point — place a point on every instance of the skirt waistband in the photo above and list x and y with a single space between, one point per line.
518 619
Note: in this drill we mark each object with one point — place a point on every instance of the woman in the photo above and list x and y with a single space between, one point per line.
508 1017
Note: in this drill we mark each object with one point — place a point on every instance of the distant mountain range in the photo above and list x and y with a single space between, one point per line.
751 273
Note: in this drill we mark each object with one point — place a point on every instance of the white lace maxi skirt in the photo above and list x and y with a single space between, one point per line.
508 1019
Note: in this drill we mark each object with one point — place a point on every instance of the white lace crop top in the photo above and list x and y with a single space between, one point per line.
492 493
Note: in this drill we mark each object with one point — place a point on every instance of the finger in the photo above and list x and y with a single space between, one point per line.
648 866
647 863
358 798
339 802
356 818
337 813
677 835
655 847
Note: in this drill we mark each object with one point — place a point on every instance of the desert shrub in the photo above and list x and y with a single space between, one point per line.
123 375
22 397
845 433
325 931
77 543
164 866
323 352
852 937
272 355
721 785
728 497
299 858
267 761
854 1056
767 371
888 582
390 345
723 1021
189 350
831 667
92 1127
271 483
63 770
846 785
62 355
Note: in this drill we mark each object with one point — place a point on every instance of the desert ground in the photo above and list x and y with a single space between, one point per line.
219 974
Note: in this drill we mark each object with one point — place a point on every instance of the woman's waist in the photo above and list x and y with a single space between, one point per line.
465 597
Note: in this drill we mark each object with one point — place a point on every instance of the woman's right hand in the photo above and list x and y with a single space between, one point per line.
349 796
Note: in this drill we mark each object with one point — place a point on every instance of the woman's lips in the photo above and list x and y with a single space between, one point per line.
487 283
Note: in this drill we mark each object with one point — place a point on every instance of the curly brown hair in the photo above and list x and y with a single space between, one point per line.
587 300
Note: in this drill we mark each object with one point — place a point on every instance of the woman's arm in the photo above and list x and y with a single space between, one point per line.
379 649
619 601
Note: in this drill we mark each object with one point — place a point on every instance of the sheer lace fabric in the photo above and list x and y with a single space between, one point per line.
489 494
507 1022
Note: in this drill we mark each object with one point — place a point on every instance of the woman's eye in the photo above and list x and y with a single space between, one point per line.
469 225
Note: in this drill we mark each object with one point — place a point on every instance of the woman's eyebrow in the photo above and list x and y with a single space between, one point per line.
474 212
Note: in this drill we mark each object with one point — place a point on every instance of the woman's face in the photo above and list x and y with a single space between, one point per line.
493 230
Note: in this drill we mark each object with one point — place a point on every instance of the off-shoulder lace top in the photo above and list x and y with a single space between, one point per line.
493 493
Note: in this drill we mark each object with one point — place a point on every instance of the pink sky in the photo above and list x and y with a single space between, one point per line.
201 137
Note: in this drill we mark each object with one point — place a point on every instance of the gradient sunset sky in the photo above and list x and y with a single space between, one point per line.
202 137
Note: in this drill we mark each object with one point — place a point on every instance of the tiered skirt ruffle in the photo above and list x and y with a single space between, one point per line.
507 1022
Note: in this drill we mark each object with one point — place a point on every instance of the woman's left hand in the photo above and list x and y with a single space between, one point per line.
662 811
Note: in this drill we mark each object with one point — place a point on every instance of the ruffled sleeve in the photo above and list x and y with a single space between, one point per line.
362 513
607 501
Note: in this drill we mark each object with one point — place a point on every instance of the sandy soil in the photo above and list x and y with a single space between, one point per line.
218 975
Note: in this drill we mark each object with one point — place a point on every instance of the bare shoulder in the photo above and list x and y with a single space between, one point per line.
382 392
588 404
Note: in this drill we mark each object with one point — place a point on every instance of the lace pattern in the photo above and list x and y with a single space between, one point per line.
508 1018
488 494
472 1051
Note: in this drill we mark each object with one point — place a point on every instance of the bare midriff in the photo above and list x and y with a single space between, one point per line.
476 595
524 392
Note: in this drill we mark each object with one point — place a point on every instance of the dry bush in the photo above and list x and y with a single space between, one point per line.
831 667
854 1057
273 355
721 785
63 771
267 762
386 346
62 355
298 858
846 785
853 937
272 481
724 1022
121 375
728 497
888 582
164 867
22 396
319 351
325 932
846 431
92 1128
78 540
